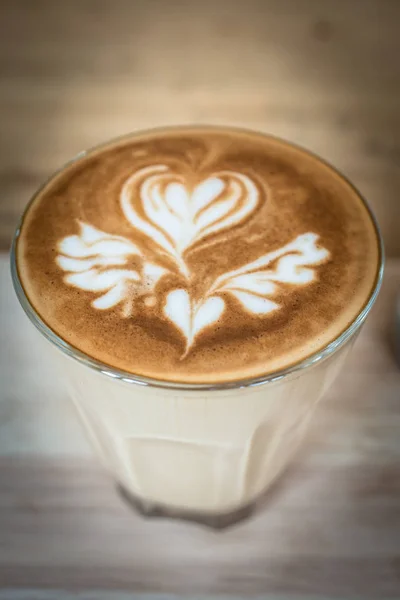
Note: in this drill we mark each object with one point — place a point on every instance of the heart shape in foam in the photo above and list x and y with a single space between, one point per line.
176 215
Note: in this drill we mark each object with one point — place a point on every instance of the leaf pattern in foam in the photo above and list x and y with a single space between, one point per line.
90 258
191 318
254 283
94 242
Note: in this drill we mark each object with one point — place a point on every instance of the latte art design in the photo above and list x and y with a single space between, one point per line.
174 216
95 263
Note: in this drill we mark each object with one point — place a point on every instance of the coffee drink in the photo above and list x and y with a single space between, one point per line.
198 261
198 255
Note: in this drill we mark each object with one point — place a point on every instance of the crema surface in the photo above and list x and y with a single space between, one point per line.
198 254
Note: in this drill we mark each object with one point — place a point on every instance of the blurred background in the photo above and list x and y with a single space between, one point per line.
322 73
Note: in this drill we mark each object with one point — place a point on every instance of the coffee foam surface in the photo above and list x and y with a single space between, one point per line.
198 254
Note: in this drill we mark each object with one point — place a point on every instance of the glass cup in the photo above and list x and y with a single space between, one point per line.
204 452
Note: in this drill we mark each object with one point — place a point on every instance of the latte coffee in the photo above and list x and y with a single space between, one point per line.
180 267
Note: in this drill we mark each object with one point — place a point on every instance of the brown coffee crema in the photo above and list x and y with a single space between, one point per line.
198 254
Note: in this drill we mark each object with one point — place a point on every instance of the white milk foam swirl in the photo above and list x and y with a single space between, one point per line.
175 218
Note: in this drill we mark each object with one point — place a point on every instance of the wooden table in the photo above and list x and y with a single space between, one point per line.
329 529
323 73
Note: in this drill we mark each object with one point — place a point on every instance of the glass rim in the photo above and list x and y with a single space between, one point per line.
128 377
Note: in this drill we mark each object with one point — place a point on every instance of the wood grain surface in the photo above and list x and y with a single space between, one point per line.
329 529
322 73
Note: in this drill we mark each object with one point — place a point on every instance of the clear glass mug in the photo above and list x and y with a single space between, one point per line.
205 452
